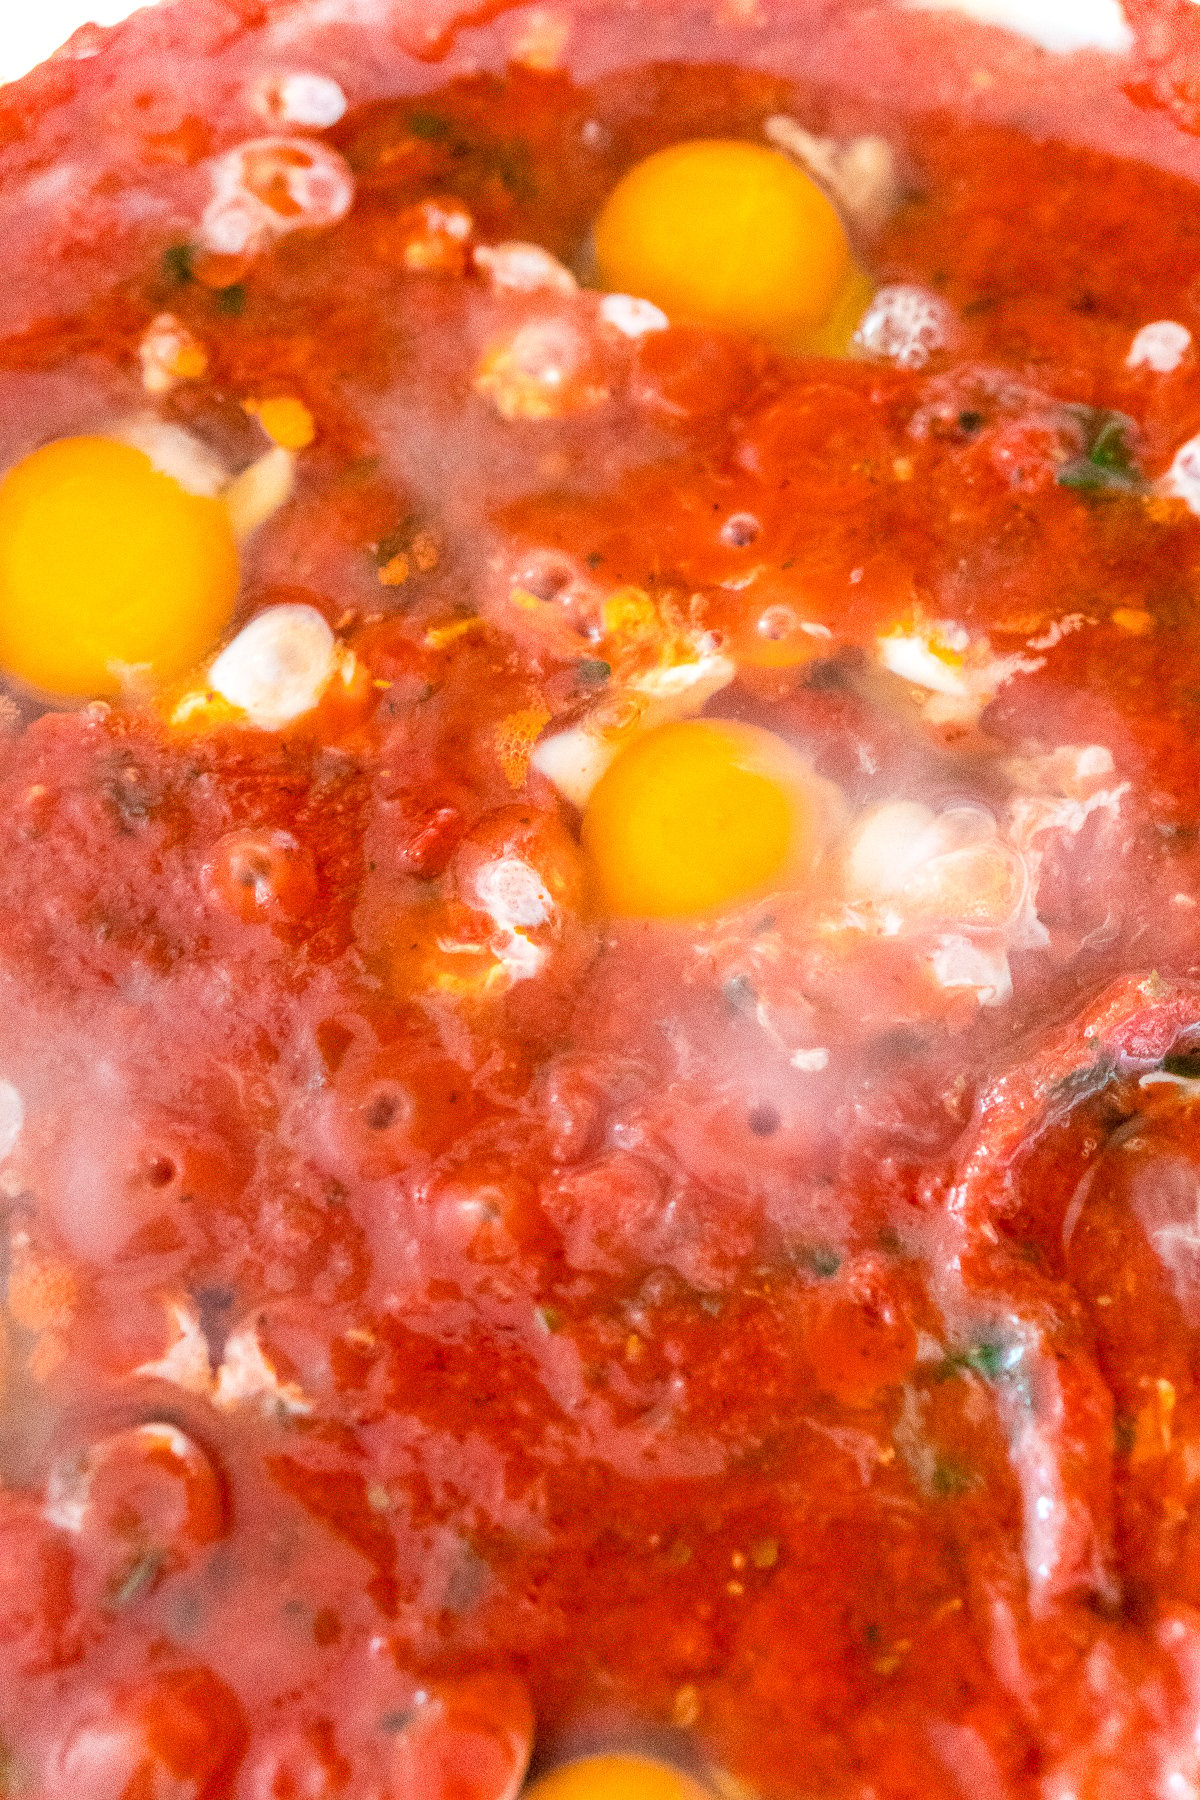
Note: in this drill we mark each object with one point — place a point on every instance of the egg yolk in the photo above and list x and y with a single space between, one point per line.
730 235
697 815
615 1778
110 572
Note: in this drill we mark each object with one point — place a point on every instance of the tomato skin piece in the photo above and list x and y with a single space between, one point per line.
262 877
181 1732
136 1506
1136 1019
860 1340
825 441
470 1741
35 1585
685 374
451 1739
297 1764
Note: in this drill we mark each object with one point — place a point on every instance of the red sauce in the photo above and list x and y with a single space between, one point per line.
739 1340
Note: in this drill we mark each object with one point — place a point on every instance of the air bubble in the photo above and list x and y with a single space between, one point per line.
777 623
302 98
740 529
545 577
764 1120
272 186
384 1109
906 325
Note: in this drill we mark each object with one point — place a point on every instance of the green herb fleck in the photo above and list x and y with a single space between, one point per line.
429 125
593 671
1107 465
988 1359
993 1361
740 994
820 1260
178 263
1085 477
549 1318
395 1722
143 1574
231 301
951 1479
1083 1081
1124 1433
1110 446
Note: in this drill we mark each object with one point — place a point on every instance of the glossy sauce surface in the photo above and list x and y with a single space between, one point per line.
446 1317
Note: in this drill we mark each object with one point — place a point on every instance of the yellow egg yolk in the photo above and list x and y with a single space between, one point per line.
695 816
616 1777
730 235
111 573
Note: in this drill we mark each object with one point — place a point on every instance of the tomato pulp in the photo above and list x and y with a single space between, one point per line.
448 1320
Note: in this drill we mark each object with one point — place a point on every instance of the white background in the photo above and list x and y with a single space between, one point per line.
36 27
31 29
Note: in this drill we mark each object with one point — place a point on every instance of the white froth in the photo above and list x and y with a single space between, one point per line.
514 894
185 1362
1056 25
238 221
175 452
163 352
962 962
257 494
906 325
575 759
278 667
1182 479
1161 347
523 269
631 317
302 98
246 1374
30 34
12 1118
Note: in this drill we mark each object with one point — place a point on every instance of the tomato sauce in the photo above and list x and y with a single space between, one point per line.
444 1325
